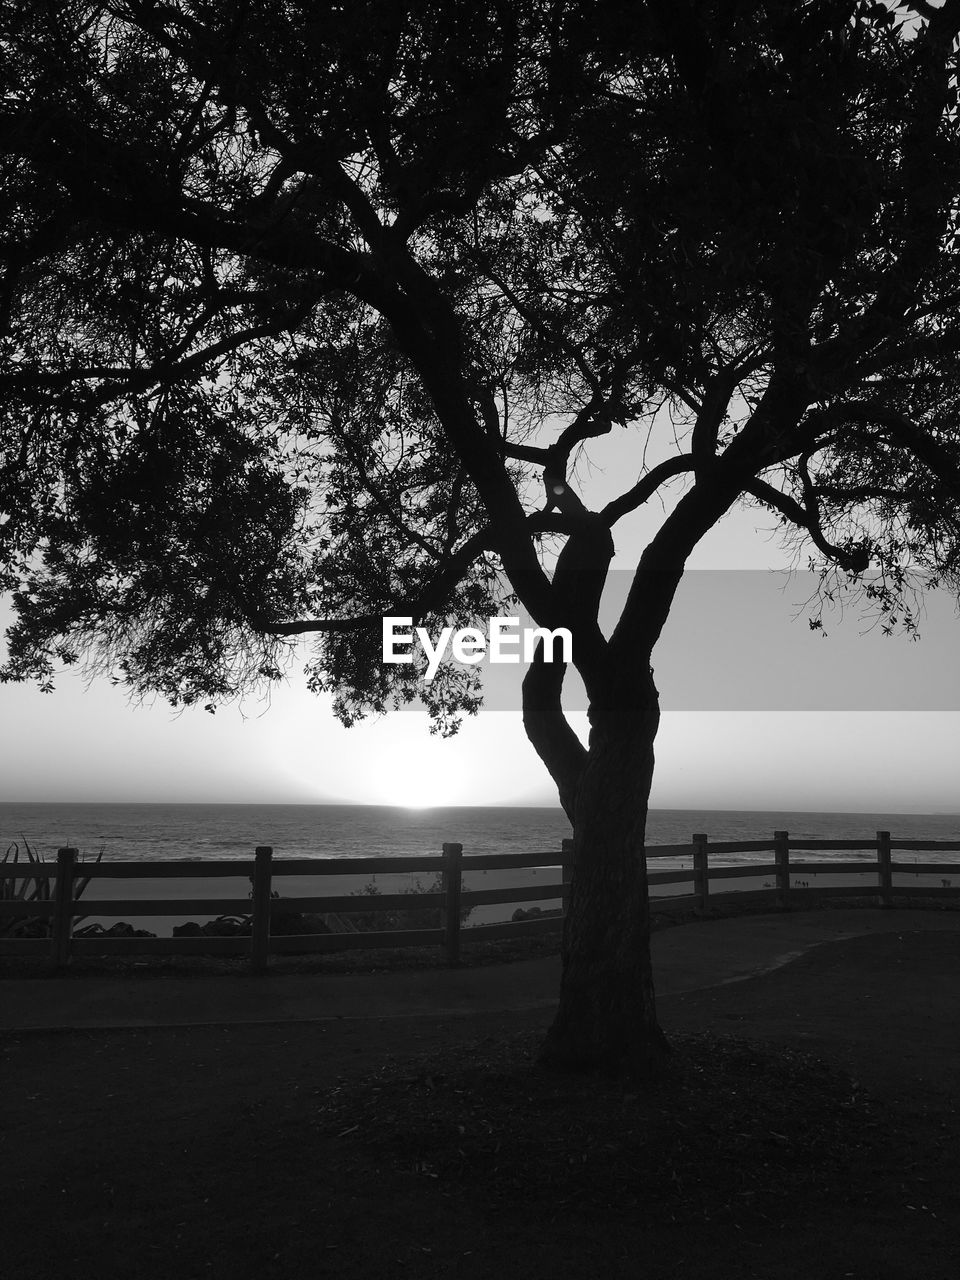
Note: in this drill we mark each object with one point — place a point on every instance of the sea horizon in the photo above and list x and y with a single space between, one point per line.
429 808
214 830
157 832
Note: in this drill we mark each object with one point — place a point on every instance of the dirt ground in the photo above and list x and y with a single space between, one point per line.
810 1130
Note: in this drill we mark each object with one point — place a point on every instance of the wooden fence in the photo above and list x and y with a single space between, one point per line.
696 888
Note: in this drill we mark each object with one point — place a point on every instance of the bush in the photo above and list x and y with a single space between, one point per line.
222 927
31 889
122 929
373 921
536 913
397 918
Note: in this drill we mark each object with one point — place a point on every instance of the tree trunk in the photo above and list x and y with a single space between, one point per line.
607 1018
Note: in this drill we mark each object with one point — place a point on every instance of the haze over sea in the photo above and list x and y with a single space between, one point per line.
142 832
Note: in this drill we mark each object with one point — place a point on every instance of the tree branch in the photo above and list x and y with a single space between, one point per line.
762 442
138 380
578 582
853 560
646 487
116 183
716 400
929 451
431 598
535 322
303 626
858 493
527 453
549 731
392 510
927 183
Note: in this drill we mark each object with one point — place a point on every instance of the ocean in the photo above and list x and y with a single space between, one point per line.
144 832
212 832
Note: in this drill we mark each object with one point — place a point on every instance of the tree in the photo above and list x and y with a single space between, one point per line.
310 310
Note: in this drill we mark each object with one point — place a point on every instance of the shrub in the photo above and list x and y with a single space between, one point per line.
32 889
412 917
370 921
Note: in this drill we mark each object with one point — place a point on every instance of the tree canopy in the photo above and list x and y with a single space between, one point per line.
309 311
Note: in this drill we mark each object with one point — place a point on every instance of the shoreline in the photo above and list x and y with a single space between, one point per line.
193 889
104 889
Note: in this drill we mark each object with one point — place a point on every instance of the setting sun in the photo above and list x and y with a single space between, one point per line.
419 773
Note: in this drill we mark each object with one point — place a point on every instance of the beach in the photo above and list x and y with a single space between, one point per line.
214 833
236 889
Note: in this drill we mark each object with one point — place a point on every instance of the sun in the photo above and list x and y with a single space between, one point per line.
421 775
396 761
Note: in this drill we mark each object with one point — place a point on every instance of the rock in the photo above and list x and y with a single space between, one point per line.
122 929
535 913
333 922
228 927
189 930
526 913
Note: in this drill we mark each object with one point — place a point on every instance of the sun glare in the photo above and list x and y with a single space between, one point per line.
396 761
418 778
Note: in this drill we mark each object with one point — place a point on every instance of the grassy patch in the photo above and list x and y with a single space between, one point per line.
435 1148
744 1133
473 953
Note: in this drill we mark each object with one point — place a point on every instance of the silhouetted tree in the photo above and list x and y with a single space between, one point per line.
309 309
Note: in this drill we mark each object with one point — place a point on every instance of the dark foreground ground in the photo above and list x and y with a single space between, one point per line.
811 1131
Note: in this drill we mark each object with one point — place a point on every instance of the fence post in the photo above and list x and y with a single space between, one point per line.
781 856
566 872
62 908
885 869
260 929
701 871
452 875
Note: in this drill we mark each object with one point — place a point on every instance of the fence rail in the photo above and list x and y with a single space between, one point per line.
694 884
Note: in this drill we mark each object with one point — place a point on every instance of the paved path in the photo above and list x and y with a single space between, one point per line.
686 958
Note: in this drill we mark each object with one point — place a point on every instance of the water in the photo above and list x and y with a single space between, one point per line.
164 832
146 832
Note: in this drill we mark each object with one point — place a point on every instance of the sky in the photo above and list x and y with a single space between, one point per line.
760 713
